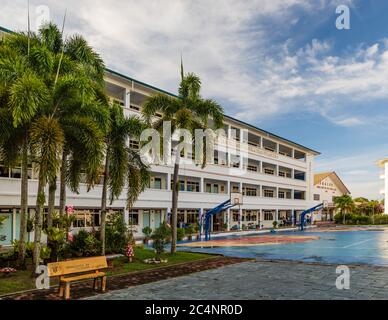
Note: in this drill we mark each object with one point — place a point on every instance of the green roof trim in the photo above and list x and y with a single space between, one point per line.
174 95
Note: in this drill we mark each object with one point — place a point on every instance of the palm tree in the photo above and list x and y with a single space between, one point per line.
123 165
22 92
56 85
344 203
189 111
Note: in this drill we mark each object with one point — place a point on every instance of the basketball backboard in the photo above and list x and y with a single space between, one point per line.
236 198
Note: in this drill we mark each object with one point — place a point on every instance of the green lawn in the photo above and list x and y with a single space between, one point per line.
22 280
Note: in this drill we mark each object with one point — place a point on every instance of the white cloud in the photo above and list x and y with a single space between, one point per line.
359 171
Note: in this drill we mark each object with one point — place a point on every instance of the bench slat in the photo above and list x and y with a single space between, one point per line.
76 266
83 276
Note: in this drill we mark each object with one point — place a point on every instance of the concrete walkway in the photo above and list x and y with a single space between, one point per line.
263 280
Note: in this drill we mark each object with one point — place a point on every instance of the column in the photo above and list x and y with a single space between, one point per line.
240 218
126 216
127 101
169 181
261 166
202 185
241 187
228 219
200 219
14 226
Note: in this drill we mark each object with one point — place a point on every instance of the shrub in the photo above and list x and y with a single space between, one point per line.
147 231
161 236
275 224
116 234
55 241
180 234
190 230
85 244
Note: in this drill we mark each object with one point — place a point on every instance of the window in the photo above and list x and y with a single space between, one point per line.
268 193
250 192
252 168
192 186
192 216
133 107
86 218
4 171
134 144
235 189
236 216
157 183
133 218
215 188
282 194
269 171
268 215
121 103
317 197
282 174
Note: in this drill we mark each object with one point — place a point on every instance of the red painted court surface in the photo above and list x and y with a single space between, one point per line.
251 241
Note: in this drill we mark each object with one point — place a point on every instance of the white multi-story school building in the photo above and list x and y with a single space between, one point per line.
277 182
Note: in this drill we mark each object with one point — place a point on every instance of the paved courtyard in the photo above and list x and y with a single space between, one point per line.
263 280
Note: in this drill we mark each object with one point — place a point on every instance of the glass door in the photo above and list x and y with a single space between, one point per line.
146 218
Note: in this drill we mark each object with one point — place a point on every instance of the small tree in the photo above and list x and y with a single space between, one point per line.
345 204
147 231
161 237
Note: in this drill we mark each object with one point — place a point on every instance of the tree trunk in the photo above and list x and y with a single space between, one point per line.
51 202
23 205
103 204
40 200
174 211
62 188
343 217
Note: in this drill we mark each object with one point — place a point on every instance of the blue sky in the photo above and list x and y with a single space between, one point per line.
279 64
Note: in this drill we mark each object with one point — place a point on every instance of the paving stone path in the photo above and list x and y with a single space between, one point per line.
83 289
264 280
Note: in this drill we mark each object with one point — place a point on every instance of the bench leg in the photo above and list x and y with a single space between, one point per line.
61 291
103 284
95 284
67 291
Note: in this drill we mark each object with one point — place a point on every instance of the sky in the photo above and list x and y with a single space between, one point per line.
281 65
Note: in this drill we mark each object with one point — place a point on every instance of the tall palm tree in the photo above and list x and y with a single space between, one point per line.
123 165
345 204
189 111
22 93
56 87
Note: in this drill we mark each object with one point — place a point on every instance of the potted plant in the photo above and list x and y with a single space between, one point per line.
189 231
147 231
275 224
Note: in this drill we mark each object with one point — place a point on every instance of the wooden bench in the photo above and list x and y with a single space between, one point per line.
76 270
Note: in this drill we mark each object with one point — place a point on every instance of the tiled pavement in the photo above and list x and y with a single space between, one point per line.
264 280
